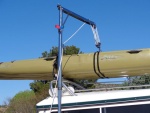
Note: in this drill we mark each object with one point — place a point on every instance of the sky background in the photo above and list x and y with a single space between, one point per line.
27 28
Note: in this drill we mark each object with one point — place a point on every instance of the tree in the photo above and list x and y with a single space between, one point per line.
88 84
138 80
67 50
40 89
22 102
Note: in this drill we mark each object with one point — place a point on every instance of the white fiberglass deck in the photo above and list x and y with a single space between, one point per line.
88 100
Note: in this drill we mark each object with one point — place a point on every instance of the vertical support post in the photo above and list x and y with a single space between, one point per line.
60 61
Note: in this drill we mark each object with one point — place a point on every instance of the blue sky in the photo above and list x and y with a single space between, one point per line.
27 28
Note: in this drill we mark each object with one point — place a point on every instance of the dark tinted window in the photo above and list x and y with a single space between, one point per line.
128 109
96 110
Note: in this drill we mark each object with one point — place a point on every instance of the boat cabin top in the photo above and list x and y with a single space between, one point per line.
116 101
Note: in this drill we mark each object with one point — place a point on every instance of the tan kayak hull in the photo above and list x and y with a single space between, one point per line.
111 64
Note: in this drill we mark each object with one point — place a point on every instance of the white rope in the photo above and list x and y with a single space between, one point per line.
52 102
74 33
58 75
60 64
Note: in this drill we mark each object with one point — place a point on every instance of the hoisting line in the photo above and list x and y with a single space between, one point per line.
57 77
74 33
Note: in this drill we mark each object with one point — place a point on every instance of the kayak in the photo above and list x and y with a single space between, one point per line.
80 66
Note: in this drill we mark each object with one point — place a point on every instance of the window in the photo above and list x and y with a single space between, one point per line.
144 108
95 110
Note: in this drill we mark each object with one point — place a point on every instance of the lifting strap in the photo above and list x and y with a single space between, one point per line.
96 65
96 37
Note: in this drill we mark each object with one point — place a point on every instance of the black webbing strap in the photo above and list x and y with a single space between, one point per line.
96 65
99 66
55 67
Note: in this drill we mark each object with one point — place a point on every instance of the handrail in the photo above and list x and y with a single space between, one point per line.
52 91
82 89
113 88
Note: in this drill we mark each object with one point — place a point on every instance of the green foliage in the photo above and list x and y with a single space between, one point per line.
67 50
27 95
40 89
22 102
86 83
138 80
53 51
45 54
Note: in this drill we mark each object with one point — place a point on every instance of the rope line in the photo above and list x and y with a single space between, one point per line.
74 33
58 75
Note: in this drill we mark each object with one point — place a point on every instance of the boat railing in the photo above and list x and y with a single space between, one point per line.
71 88
68 88
115 88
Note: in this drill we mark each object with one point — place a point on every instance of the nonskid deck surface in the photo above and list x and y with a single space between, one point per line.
81 66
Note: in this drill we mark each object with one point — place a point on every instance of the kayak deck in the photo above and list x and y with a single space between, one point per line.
81 66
